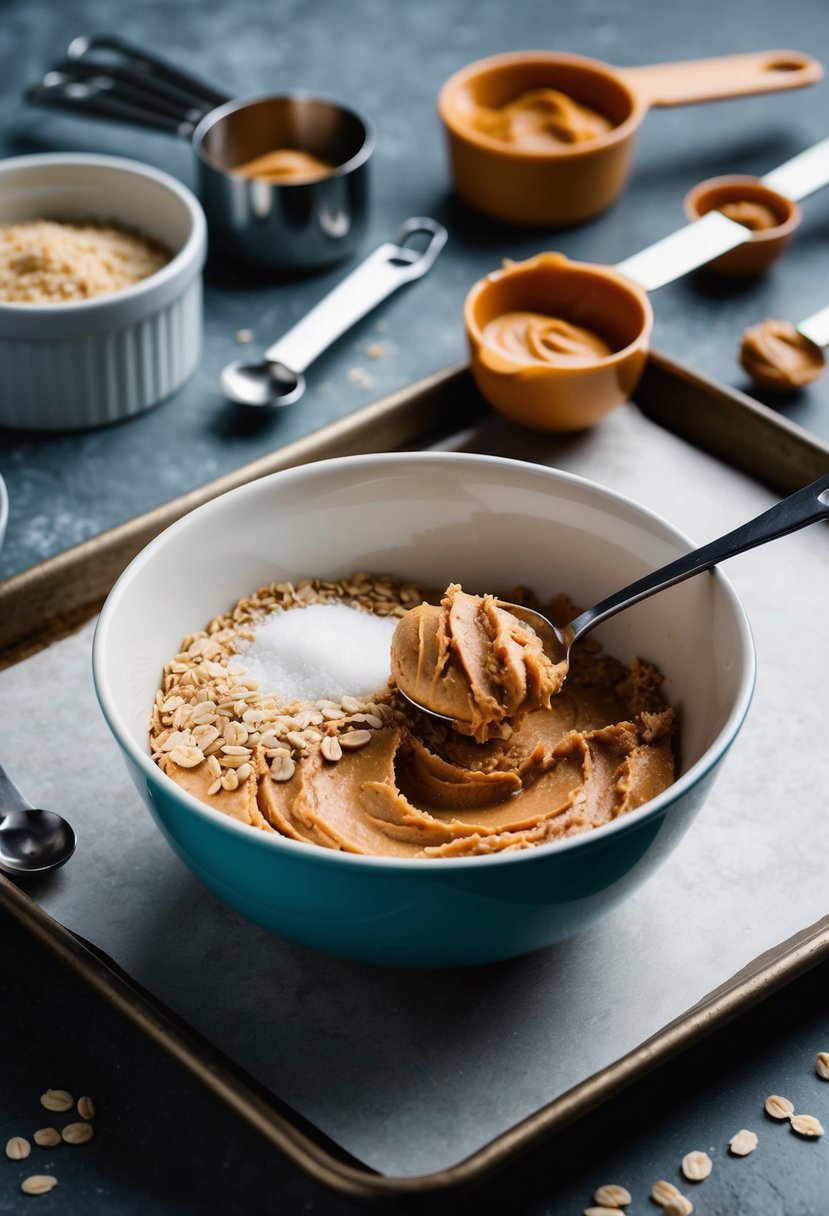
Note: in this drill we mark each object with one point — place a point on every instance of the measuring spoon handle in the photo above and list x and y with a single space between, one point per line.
804 507
802 175
382 272
684 250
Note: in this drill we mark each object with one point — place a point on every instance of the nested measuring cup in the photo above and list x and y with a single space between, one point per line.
574 181
610 301
285 225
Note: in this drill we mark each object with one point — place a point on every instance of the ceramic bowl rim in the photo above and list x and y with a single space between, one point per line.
4 509
180 263
433 866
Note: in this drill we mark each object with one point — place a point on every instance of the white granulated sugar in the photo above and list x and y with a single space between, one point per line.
322 651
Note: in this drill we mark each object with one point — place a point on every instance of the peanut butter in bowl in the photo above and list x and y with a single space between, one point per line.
282 713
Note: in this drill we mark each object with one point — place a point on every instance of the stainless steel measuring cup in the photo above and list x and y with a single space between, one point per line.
284 225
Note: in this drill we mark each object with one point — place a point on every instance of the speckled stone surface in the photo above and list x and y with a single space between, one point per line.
162 1146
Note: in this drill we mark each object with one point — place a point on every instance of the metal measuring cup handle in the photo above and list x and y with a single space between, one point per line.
136 87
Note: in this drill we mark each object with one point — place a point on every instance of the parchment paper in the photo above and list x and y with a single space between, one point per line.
412 1071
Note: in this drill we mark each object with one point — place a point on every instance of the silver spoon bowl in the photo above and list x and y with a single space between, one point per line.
804 507
32 841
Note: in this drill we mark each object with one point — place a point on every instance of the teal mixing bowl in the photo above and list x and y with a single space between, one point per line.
435 517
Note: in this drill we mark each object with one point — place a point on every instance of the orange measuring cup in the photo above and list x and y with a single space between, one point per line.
569 182
609 302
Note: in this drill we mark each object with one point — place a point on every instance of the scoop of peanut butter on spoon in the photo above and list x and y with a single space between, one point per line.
779 357
473 661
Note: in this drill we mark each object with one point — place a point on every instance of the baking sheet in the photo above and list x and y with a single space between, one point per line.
412 1071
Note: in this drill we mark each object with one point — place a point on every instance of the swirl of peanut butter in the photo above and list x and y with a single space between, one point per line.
541 119
471 660
285 165
779 357
534 337
756 216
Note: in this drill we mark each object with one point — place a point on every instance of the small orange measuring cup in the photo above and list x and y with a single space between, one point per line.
778 192
570 182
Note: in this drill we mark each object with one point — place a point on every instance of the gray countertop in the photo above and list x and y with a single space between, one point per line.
390 60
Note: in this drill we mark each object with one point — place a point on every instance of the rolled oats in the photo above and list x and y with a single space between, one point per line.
38 1184
353 739
77 1133
331 749
743 1143
612 1196
186 757
18 1148
57 1100
696 1166
777 1107
807 1125
822 1065
282 768
47 1137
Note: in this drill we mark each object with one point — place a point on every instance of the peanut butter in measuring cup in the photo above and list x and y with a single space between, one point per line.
554 344
540 119
285 165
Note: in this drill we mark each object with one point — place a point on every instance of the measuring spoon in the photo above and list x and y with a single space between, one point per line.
804 507
32 841
278 379
783 357
779 192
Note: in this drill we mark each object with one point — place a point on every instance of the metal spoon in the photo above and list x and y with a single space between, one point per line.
31 841
804 507
278 379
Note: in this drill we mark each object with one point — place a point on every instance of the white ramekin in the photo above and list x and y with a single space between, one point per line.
76 365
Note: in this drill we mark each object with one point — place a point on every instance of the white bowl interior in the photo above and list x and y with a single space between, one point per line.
487 523
53 187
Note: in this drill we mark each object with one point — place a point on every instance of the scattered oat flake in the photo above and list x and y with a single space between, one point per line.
243 336
668 1196
743 1143
678 1207
38 1184
359 375
612 1196
822 1065
57 1100
696 1166
601 1211
86 1107
47 1137
778 1108
807 1125
18 1148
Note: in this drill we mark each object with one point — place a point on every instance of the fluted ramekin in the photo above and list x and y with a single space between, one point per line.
90 362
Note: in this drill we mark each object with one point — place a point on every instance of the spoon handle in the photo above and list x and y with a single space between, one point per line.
389 267
11 798
804 507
